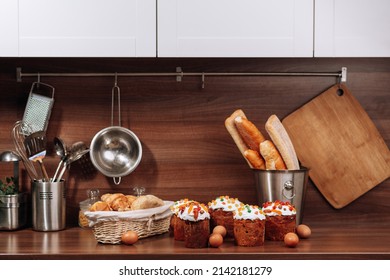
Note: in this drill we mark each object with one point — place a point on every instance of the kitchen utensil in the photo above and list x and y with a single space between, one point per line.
84 164
35 145
10 156
76 151
38 108
337 140
283 185
18 136
48 205
115 151
61 150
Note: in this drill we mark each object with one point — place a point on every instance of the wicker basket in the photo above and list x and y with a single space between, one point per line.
108 227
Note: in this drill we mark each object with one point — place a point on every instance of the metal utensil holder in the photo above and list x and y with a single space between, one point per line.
48 205
13 211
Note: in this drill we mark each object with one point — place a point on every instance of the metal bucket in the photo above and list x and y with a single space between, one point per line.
48 205
13 211
283 185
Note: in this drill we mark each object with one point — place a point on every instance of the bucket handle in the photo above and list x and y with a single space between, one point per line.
288 186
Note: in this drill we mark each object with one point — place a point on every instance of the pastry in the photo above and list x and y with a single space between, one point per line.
221 212
117 202
130 199
105 196
197 224
249 226
146 202
280 219
100 206
176 227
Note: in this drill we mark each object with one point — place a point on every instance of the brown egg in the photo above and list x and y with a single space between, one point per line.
215 240
221 230
303 231
291 239
129 237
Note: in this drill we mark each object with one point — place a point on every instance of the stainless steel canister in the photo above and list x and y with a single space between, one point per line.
13 211
283 185
48 205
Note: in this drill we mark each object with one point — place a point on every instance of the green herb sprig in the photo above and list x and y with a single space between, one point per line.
8 186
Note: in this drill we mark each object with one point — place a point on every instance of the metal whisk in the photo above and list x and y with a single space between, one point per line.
18 135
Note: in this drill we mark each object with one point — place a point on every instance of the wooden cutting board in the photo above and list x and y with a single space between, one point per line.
335 138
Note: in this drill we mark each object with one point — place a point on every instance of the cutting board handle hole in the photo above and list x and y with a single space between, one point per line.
340 92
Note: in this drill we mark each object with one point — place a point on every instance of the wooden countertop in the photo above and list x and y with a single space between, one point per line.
352 242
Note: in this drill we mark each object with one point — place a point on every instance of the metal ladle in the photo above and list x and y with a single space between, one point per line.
77 150
61 151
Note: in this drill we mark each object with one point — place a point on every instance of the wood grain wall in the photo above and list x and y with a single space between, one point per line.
187 151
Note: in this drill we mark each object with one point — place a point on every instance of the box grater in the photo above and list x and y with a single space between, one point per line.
38 108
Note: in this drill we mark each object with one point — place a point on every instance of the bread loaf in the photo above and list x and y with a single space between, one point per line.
231 128
282 141
273 159
255 159
249 133
237 121
146 202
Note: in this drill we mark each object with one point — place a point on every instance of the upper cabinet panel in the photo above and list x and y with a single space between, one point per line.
235 28
351 28
88 28
9 28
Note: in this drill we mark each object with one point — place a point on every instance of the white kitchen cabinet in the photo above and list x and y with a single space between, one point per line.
235 28
87 28
352 28
8 28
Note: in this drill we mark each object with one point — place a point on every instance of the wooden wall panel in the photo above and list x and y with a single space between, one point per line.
187 150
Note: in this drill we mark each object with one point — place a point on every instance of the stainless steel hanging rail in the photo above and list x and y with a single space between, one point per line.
179 74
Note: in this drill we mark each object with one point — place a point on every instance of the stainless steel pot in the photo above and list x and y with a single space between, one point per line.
115 151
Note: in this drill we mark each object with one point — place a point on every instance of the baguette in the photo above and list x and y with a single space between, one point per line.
273 159
249 133
231 128
282 141
255 159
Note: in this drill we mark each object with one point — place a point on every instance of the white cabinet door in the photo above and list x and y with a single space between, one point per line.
352 28
8 28
235 28
87 28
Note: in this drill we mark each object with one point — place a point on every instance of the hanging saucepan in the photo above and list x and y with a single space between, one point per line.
115 151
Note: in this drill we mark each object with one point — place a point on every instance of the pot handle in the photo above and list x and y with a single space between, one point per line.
115 89
115 180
